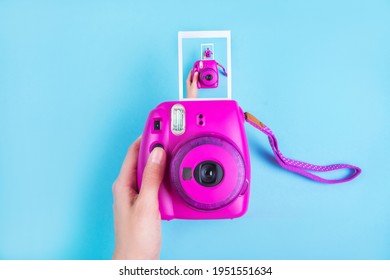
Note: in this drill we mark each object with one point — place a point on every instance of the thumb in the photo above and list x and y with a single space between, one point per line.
195 78
153 173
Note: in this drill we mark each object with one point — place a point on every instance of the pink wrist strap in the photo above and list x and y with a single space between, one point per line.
299 166
223 69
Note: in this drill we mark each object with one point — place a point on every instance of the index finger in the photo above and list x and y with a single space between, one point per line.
188 81
128 174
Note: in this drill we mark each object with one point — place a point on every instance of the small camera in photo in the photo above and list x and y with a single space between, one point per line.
207 51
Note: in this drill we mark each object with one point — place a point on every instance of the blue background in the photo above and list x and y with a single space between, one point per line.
77 81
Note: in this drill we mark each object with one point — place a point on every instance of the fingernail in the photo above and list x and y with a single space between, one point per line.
156 155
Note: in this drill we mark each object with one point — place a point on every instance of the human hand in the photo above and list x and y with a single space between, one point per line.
192 88
137 217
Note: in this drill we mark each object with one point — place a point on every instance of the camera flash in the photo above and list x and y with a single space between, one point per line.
178 119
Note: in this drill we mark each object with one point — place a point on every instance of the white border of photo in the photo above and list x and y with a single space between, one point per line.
204 34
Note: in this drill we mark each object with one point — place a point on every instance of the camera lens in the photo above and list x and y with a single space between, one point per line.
208 77
208 173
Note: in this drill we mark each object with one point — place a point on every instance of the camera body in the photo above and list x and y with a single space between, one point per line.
208 73
208 169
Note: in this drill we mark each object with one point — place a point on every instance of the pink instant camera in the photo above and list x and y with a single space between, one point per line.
208 168
208 73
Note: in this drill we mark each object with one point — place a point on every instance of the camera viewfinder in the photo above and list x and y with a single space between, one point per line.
157 125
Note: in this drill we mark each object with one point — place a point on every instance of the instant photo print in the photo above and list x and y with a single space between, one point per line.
209 54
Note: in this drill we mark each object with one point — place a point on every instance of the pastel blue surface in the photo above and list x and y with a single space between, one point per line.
77 80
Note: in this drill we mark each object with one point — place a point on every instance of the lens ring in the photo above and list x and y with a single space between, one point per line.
181 152
208 77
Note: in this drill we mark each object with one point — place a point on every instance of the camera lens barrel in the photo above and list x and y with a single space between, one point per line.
208 173
208 77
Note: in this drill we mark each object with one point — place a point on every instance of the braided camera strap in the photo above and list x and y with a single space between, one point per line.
223 68
300 167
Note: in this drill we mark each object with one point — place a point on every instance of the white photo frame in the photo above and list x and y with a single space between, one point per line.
207 36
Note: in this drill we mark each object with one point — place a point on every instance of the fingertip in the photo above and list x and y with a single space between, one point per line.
196 74
157 155
134 147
